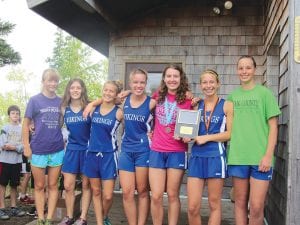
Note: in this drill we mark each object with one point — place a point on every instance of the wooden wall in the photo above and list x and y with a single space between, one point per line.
193 35
276 52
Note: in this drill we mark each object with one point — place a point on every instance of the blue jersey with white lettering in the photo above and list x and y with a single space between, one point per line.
104 131
137 125
79 130
217 125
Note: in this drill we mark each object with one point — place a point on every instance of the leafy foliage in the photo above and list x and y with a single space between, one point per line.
7 53
17 97
73 59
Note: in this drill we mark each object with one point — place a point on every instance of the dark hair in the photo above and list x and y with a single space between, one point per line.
247 57
13 108
66 99
182 89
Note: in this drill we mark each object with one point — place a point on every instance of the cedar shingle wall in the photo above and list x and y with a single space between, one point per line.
276 50
193 35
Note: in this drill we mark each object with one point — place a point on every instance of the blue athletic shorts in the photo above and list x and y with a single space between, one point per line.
74 161
102 165
129 160
207 167
164 160
51 160
247 171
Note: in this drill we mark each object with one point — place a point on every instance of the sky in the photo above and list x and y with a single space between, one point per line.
33 37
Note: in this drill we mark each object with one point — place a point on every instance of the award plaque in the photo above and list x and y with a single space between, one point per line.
187 123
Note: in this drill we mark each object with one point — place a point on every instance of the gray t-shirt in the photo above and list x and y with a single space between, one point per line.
11 134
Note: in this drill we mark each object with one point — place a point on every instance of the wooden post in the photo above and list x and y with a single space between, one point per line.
293 195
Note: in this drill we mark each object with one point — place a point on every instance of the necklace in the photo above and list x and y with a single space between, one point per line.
169 110
208 120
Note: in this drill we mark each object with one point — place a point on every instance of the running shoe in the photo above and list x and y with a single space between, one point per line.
106 221
3 215
48 222
66 221
80 222
15 211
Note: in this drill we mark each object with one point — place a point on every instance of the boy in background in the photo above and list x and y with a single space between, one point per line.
11 150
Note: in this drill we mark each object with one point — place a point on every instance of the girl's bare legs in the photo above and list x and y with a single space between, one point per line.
107 198
142 186
86 197
174 179
69 185
53 174
241 194
258 191
194 191
215 188
97 199
39 192
127 181
157 178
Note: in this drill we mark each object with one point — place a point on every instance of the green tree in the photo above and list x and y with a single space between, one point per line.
7 53
19 96
73 59
20 79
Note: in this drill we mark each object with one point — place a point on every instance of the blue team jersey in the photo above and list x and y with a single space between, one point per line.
79 130
104 131
137 125
217 125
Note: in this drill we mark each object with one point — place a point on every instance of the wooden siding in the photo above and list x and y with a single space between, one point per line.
293 193
193 35
277 78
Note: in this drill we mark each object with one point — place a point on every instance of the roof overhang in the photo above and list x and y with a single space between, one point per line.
92 21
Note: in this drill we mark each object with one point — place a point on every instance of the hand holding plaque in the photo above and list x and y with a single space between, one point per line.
187 123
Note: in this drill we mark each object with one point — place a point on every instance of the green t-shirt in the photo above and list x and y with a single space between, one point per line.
249 138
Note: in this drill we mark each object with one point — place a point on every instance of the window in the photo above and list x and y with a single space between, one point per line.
154 74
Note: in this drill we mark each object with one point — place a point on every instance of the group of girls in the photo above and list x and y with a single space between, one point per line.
153 158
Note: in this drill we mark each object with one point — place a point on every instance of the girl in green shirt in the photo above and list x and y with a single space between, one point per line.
252 144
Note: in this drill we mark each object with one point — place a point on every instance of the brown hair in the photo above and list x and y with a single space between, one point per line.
66 99
182 89
247 57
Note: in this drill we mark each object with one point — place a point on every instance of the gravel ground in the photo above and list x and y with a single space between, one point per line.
18 220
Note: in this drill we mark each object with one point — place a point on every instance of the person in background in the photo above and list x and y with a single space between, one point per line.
101 157
207 161
26 173
168 155
11 150
74 101
46 148
252 143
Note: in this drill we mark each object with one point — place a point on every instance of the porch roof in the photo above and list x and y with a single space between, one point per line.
92 21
